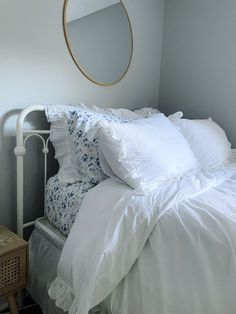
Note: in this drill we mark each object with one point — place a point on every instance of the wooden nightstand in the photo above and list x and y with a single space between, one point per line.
13 266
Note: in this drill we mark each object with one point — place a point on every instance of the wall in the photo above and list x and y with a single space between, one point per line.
101 43
198 73
36 68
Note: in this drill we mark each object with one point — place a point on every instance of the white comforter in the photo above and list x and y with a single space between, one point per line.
169 252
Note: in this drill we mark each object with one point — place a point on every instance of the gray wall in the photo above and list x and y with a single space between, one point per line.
36 68
198 73
101 43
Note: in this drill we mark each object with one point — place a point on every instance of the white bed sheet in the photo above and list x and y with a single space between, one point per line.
172 251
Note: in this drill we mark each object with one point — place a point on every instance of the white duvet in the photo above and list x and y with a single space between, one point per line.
172 251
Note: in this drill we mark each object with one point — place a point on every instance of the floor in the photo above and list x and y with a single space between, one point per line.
29 308
33 309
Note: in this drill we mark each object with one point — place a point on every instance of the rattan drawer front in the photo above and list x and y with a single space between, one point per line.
13 271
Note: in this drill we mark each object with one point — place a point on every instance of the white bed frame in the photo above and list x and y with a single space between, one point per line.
22 135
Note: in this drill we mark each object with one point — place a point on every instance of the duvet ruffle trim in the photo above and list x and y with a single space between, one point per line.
64 298
63 295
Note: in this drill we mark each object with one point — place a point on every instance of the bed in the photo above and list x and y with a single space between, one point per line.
169 251
50 230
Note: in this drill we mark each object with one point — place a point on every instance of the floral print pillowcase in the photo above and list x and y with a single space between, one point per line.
80 125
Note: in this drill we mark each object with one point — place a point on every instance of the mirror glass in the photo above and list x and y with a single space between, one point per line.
99 37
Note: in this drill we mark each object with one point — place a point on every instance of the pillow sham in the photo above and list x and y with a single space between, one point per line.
65 152
207 139
81 124
145 152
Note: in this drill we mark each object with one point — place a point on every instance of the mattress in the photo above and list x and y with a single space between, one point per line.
63 201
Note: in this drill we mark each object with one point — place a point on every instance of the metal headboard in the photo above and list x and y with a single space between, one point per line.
21 138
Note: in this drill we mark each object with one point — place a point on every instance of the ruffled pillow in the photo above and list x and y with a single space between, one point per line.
60 137
73 152
145 153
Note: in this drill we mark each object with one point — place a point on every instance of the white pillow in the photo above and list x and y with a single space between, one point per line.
207 140
145 152
125 113
69 170
176 115
146 111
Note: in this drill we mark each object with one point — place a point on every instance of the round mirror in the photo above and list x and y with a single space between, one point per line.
99 38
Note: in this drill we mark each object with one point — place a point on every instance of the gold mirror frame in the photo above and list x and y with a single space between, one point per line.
75 60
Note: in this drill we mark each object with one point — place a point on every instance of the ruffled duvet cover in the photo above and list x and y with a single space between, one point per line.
172 251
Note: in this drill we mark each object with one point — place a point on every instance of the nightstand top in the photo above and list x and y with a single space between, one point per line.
10 241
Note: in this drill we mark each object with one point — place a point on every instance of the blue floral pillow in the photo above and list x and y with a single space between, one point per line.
86 149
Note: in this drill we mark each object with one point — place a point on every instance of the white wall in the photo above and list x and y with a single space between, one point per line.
36 68
198 72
